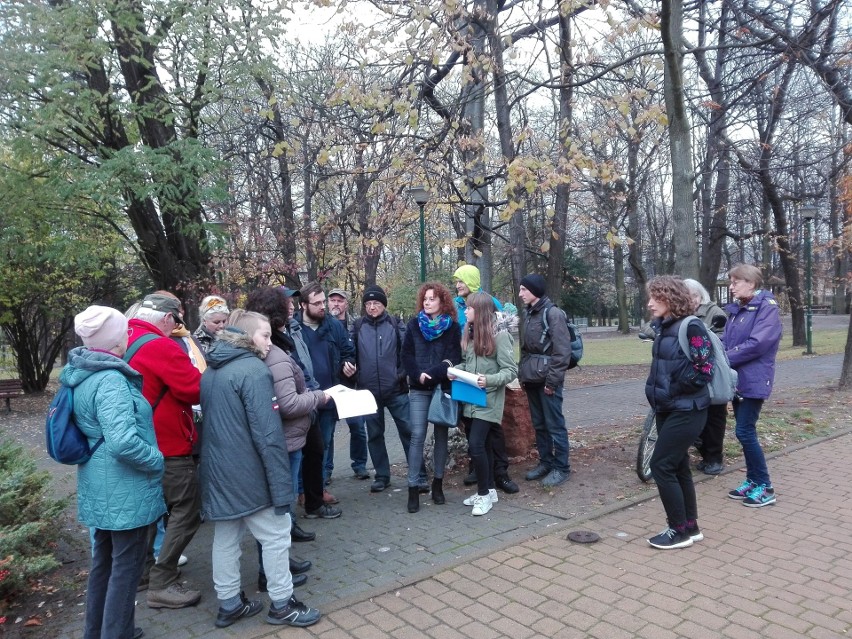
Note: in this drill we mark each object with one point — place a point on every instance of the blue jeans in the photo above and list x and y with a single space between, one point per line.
418 401
676 432
327 421
746 412
118 559
551 435
357 443
398 408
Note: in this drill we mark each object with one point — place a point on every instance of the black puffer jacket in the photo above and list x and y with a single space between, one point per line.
244 462
673 384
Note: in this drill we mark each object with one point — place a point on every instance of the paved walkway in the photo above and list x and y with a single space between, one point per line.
780 571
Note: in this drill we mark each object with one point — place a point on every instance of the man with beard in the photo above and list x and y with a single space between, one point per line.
332 356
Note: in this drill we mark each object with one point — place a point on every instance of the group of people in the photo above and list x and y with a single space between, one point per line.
231 424
677 389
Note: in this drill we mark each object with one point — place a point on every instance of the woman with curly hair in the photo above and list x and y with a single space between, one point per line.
432 344
677 390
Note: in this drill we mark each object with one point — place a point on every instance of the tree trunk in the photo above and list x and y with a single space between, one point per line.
686 247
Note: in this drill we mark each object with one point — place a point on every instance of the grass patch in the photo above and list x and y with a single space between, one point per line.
629 349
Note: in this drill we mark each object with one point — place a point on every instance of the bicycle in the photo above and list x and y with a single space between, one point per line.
647 442
648 438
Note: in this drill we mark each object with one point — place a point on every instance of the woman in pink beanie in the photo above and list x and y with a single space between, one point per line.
119 490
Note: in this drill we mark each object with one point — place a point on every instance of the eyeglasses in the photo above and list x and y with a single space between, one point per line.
317 303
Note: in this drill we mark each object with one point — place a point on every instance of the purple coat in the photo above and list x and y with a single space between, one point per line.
752 336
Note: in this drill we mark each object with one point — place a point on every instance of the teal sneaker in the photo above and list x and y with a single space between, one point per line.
742 491
760 496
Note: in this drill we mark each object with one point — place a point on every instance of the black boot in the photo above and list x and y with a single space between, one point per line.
413 499
438 491
470 480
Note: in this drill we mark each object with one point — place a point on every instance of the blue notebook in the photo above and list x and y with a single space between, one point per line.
469 394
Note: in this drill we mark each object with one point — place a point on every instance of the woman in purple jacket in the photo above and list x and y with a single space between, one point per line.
751 338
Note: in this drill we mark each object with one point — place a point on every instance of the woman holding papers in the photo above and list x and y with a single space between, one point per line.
489 353
432 344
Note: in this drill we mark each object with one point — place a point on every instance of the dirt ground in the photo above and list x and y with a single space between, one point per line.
603 473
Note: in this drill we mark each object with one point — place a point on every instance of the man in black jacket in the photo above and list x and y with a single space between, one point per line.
378 342
332 357
545 355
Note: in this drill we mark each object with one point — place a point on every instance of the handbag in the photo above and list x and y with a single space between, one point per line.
443 409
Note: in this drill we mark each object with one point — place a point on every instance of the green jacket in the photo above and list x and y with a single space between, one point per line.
499 369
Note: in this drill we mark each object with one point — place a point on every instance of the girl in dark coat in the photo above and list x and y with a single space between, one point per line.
677 390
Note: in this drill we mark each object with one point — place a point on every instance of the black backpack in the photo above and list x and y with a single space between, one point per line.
573 332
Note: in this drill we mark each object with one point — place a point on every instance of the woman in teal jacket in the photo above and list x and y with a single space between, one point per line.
119 490
489 351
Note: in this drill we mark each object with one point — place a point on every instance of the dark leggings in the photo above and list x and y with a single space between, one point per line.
480 439
676 432
312 467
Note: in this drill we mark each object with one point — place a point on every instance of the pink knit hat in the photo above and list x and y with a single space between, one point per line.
101 327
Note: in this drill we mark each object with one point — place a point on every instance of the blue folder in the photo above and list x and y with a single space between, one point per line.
469 394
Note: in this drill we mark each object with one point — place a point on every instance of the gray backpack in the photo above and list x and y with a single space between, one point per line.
723 386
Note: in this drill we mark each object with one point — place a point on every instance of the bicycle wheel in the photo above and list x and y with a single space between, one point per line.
646 447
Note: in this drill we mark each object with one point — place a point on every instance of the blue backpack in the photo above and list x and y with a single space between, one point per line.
66 443
573 332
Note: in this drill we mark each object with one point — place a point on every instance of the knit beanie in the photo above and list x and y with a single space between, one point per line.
535 284
101 327
375 293
468 274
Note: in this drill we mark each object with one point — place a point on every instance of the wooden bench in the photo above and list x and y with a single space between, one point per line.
10 388
820 309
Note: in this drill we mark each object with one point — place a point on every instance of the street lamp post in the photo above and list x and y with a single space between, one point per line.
421 197
808 214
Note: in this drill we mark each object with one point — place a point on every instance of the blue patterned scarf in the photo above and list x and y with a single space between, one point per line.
432 329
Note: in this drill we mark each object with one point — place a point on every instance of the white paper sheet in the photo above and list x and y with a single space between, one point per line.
352 403
467 378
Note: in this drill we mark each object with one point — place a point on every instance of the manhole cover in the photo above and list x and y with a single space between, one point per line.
583 537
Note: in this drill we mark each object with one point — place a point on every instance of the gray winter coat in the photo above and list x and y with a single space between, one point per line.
244 463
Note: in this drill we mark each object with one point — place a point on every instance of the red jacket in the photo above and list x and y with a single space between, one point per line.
165 367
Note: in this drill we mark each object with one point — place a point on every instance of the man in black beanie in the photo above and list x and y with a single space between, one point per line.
545 355
378 338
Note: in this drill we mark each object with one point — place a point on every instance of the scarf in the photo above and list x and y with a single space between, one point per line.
432 329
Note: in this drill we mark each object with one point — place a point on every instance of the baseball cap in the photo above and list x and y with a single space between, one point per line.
340 292
163 304
289 292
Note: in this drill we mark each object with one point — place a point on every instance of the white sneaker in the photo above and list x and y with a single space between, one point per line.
481 505
492 493
181 562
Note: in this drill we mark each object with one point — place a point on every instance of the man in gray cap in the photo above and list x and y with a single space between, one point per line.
171 384
338 306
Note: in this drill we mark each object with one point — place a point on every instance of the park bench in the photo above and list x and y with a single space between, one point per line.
10 388
820 309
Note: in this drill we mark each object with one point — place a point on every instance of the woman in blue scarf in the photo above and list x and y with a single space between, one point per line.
432 344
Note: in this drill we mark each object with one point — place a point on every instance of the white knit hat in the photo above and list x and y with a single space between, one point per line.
101 327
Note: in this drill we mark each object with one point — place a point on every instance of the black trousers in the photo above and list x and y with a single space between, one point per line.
676 432
713 435
312 467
